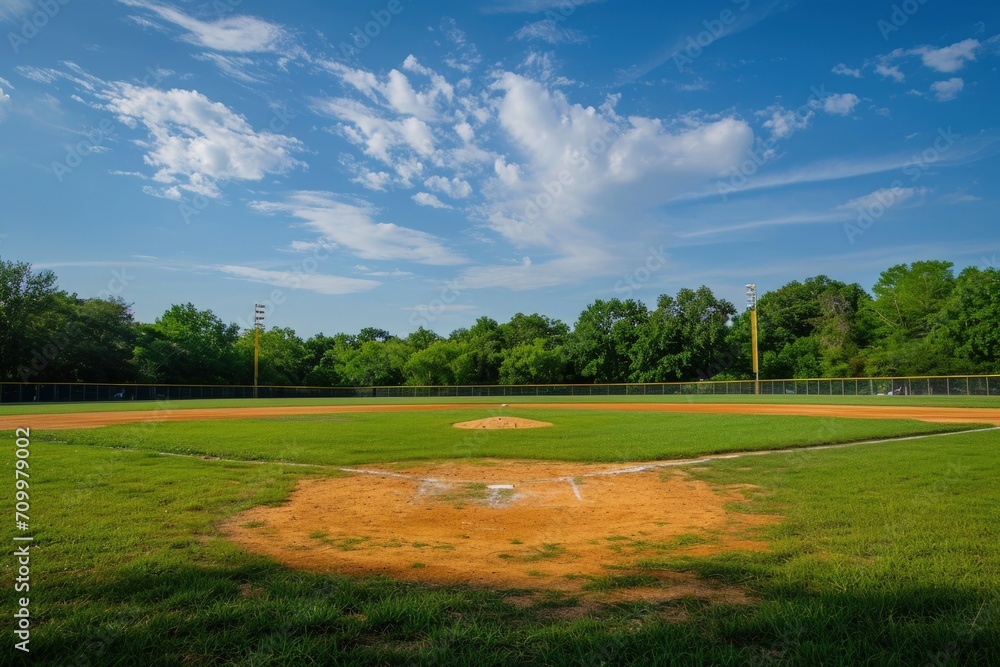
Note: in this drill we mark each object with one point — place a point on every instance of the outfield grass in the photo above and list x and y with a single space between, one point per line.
194 404
887 555
350 439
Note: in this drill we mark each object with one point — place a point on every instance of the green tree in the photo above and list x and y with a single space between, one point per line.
534 363
374 363
25 296
969 323
481 356
603 338
188 346
906 309
422 338
284 357
434 365
526 329
683 339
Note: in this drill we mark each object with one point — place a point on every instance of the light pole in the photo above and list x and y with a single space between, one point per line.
258 323
752 303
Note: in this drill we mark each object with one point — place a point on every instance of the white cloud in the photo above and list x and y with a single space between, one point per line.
240 34
236 67
949 58
352 226
427 199
844 70
786 122
13 10
194 142
535 6
396 91
456 188
4 103
313 282
580 169
547 30
380 138
578 263
373 180
890 72
465 56
842 104
946 91
960 197
509 174
883 198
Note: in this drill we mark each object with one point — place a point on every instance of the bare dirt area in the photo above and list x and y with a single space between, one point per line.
573 528
96 419
491 423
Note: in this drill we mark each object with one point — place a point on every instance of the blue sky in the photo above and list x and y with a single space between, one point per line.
398 163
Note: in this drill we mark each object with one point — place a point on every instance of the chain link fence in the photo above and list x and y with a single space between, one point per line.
958 385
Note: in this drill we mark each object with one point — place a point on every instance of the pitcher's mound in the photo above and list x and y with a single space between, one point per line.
503 422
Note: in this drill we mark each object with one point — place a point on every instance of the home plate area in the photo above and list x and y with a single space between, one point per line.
512 525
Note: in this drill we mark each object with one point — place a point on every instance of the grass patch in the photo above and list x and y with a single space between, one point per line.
513 401
886 555
617 582
576 436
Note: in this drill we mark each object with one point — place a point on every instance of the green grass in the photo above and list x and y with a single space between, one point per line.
419 436
195 404
886 555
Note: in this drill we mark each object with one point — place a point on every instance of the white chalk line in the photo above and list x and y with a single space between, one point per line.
576 489
646 467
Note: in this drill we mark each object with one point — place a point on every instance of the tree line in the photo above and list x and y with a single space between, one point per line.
919 319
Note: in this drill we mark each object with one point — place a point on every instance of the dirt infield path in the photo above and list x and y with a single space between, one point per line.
96 419
508 524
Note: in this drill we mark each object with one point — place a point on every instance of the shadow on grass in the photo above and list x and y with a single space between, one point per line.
257 613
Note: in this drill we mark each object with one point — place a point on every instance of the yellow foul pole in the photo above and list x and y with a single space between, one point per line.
752 304
256 358
258 322
753 335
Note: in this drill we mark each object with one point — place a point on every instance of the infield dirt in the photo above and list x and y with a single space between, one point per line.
565 527
96 419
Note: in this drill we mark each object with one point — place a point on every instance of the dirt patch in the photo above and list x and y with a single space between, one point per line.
502 423
579 529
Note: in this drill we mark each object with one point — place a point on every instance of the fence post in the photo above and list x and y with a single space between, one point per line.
947 385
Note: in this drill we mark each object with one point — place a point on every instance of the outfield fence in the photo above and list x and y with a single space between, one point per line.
955 385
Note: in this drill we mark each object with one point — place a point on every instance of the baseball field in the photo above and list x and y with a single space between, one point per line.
582 532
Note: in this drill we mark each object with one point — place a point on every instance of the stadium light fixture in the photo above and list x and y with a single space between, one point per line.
258 324
752 304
